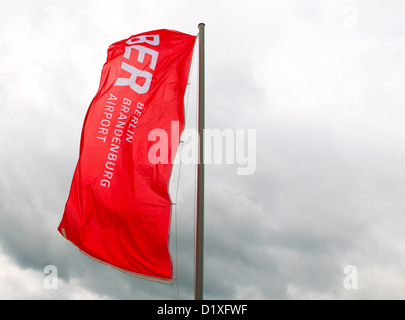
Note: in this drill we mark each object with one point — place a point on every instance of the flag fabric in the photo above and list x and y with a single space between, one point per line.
118 209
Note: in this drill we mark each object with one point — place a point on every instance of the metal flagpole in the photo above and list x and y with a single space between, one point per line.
198 288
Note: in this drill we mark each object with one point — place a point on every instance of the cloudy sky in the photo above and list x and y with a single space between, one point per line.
321 82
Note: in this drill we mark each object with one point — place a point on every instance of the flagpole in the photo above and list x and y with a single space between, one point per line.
199 265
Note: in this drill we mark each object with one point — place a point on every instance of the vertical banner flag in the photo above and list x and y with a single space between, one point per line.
118 209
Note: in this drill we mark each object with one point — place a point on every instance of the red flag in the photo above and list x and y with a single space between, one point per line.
118 209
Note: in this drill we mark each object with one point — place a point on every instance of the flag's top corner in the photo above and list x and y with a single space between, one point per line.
166 33
162 31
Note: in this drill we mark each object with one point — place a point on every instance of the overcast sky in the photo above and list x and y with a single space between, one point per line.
321 82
